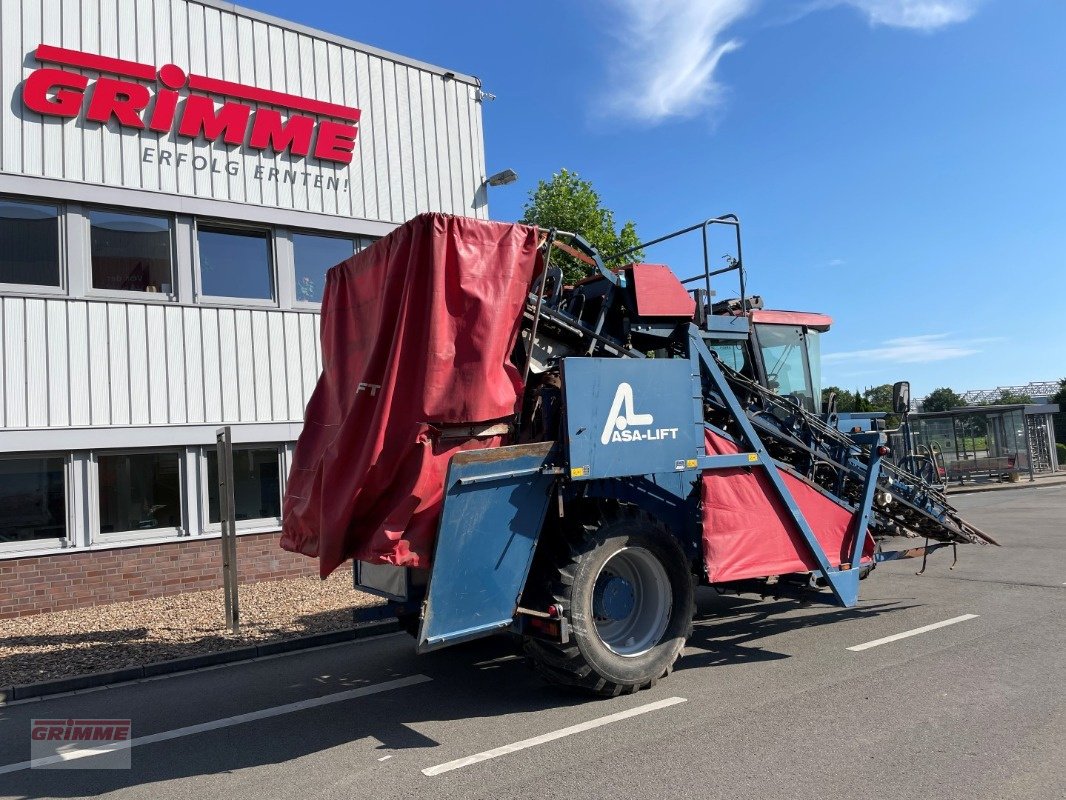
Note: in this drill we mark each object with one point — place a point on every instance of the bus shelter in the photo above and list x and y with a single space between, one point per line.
992 442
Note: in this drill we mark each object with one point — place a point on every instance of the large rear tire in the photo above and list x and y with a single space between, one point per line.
627 590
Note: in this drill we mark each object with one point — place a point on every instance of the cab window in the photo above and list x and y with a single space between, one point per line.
783 353
734 354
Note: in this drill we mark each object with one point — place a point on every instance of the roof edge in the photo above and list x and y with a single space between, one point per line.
318 33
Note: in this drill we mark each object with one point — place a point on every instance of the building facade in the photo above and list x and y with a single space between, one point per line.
175 179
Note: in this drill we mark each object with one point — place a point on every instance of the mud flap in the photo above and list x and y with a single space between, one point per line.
494 506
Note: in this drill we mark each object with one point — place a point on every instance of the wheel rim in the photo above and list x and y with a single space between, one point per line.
631 601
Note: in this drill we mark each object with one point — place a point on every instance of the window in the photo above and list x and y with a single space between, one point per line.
734 354
33 499
29 243
782 355
235 262
814 358
130 252
256 483
139 491
313 256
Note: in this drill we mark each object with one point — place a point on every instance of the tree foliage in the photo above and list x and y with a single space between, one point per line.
845 399
1060 418
569 203
1009 398
878 398
942 399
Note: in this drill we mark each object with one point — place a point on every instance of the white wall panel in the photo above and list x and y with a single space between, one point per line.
14 362
393 151
78 363
195 364
36 365
77 346
212 358
137 331
175 365
59 355
118 362
99 365
158 366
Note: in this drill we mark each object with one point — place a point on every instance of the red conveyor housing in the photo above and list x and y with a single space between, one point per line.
748 533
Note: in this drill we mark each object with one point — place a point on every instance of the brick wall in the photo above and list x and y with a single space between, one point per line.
74 580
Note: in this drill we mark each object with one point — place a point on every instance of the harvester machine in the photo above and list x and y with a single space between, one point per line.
661 439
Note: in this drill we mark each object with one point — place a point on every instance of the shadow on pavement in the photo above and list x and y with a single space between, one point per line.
727 625
483 679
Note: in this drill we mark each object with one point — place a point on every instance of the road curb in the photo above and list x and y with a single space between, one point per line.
188 663
1005 487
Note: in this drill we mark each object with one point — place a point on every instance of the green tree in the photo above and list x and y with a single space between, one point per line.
569 203
878 398
859 402
1060 418
942 399
1008 398
845 399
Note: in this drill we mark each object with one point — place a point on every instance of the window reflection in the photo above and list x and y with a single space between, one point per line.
130 252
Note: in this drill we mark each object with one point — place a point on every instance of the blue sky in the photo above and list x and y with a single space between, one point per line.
898 164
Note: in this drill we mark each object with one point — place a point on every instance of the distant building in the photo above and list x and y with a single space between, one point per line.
1040 391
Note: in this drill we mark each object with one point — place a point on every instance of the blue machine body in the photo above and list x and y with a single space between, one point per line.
631 417
493 512
634 431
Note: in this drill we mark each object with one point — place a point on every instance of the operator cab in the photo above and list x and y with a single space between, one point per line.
782 353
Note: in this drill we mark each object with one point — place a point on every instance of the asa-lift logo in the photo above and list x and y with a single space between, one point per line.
241 118
624 424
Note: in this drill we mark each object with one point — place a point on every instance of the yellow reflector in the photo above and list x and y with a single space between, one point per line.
753 456
577 472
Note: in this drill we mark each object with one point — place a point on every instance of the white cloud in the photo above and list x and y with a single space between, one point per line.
924 15
912 350
667 54
663 64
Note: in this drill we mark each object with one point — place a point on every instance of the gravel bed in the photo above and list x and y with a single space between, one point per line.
65 643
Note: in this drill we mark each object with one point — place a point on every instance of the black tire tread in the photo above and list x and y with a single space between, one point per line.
564 664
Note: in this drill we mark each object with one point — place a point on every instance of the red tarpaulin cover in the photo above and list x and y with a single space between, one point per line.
748 533
417 329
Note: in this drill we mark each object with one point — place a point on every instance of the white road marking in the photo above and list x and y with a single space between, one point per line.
914 632
550 737
225 722
384 758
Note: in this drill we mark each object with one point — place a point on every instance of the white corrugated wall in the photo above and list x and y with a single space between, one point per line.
100 363
419 146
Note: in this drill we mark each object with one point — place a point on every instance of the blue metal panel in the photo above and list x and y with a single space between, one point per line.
494 506
630 417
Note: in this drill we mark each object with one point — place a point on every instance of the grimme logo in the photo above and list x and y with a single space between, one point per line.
625 425
80 743
183 104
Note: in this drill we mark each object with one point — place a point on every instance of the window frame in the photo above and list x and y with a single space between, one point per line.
204 299
37 289
256 524
98 536
315 305
123 294
10 549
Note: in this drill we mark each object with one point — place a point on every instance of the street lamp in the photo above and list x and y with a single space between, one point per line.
502 178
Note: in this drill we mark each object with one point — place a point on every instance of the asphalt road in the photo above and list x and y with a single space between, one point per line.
775 705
